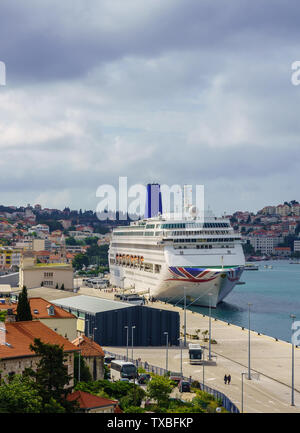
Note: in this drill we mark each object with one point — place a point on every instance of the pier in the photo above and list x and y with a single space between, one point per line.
269 390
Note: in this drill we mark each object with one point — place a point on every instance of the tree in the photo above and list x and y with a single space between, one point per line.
20 396
51 376
134 397
23 308
160 388
80 260
3 314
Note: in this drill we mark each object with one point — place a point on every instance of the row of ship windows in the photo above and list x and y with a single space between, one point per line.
219 240
192 225
135 262
173 233
204 246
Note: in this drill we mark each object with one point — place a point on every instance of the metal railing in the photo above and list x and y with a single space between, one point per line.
226 402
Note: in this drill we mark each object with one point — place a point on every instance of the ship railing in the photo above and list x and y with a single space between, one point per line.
225 401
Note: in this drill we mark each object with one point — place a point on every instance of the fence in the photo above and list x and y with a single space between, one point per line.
226 402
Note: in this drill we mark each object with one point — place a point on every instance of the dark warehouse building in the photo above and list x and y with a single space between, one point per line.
105 320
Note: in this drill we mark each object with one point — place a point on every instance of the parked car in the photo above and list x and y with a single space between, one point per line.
184 386
143 378
124 379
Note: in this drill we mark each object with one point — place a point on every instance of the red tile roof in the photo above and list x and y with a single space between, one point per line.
19 336
88 347
89 401
41 305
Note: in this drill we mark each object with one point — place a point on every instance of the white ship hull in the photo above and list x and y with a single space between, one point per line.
192 272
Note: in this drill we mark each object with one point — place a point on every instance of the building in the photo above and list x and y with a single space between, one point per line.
39 228
41 244
264 244
9 258
296 245
15 352
93 356
89 403
53 275
282 251
105 320
57 319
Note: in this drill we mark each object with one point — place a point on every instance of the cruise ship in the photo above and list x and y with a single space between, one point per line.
183 260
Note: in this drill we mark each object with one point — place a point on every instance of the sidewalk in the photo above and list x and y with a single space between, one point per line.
272 359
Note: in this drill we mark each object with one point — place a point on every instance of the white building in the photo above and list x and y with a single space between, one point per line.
264 244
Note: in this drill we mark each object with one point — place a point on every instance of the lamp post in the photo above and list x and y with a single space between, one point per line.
184 294
203 362
209 343
249 367
167 344
242 408
126 327
132 328
180 343
88 328
292 316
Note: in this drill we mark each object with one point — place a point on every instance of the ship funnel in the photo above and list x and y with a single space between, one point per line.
153 201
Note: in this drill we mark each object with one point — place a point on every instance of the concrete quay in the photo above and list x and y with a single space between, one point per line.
268 393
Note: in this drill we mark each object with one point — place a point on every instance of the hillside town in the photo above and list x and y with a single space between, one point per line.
55 236
272 232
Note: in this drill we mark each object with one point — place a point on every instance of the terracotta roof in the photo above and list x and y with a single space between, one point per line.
118 409
19 336
89 401
88 347
41 305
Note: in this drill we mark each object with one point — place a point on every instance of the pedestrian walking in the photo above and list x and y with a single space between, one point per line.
225 379
228 379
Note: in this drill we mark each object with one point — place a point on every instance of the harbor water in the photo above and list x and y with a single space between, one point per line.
273 291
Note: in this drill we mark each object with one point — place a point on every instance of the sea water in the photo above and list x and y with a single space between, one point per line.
274 294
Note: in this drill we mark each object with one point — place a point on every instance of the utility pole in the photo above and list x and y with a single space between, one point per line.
132 328
209 342
293 362
167 344
249 368
184 317
126 327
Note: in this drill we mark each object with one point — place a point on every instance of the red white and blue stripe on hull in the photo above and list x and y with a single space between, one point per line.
194 275
199 282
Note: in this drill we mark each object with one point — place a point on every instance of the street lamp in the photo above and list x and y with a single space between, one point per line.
180 343
242 409
167 344
126 327
209 343
292 316
132 328
88 327
203 362
249 369
184 294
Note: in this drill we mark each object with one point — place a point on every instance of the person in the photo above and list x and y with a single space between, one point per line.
228 379
225 379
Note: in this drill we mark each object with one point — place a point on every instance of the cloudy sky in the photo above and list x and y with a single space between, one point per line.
172 91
